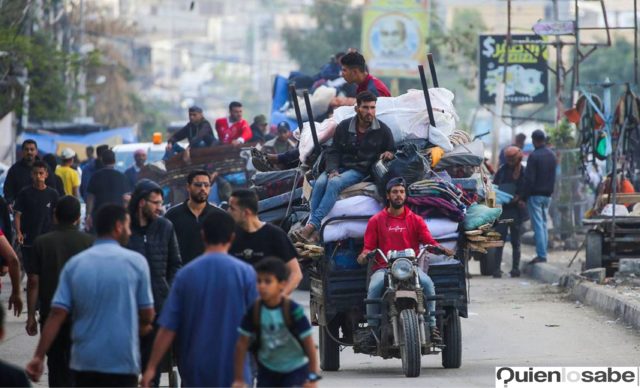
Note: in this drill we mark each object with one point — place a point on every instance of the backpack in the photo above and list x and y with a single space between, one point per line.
288 322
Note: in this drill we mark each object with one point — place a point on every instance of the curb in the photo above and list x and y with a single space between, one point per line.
605 300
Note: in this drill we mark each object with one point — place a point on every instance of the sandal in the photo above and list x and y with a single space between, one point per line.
298 236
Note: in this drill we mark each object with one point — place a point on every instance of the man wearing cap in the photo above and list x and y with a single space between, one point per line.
539 182
397 228
259 130
198 131
282 143
233 129
357 144
153 237
68 174
140 157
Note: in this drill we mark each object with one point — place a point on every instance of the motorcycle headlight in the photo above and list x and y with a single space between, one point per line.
402 269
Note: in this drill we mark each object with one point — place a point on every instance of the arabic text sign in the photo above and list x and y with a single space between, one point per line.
527 72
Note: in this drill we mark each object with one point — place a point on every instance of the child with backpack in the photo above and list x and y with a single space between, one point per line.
277 332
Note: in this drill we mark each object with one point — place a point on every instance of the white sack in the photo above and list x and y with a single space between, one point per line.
324 130
441 227
345 229
320 100
407 117
359 205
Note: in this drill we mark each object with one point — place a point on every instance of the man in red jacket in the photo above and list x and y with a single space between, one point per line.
397 228
233 129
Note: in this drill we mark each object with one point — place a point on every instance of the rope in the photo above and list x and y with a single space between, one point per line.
459 137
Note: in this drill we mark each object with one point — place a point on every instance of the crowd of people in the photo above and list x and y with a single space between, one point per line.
199 285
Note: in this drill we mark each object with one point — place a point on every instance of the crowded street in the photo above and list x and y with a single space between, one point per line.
357 193
519 323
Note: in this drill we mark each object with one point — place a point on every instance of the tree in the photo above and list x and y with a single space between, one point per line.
337 27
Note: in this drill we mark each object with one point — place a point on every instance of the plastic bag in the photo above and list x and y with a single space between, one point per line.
478 215
408 163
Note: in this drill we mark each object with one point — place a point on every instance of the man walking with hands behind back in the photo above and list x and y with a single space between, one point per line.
106 291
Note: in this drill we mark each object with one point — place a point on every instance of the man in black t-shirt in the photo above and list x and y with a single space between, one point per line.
187 217
10 376
34 212
107 186
256 240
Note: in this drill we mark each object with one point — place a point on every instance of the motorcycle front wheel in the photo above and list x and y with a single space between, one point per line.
410 343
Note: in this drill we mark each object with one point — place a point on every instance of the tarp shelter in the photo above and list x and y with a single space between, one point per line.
54 143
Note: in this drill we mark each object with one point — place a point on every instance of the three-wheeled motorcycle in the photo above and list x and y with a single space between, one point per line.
339 298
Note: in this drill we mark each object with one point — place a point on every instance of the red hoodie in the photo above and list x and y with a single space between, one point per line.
239 129
388 232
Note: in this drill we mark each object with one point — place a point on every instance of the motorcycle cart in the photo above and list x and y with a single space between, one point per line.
338 298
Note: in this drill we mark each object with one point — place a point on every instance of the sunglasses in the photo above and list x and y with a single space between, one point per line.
201 184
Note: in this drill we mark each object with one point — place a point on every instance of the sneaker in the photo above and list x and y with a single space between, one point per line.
435 335
537 260
515 273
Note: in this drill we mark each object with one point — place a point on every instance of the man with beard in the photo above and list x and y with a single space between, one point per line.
19 175
188 216
233 129
357 144
397 228
107 293
256 240
153 237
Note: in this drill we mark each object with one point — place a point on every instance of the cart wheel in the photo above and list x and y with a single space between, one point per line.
452 353
173 379
593 248
329 349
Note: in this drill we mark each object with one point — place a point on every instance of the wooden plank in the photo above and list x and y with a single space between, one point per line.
623 198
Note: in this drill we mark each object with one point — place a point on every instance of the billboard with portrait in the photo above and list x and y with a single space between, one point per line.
394 34
527 71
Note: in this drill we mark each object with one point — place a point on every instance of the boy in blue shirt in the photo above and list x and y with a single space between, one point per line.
278 332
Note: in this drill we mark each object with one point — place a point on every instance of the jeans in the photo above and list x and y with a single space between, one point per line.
514 230
538 206
269 378
376 286
326 191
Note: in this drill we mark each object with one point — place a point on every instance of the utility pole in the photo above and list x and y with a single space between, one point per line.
497 115
82 75
559 69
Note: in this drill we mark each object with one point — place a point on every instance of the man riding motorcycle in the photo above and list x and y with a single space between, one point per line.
397 228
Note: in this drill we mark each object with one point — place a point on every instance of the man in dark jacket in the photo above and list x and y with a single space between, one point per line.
51 251
153 237
107 185
198 131
357 144
539 181
19 175
510 178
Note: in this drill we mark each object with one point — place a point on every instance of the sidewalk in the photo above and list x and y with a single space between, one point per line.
614 298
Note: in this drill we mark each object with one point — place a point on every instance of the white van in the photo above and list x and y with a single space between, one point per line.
124 153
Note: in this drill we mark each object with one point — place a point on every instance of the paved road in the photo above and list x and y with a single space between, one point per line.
515 322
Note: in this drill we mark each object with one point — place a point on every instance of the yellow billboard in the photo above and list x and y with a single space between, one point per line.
394 34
